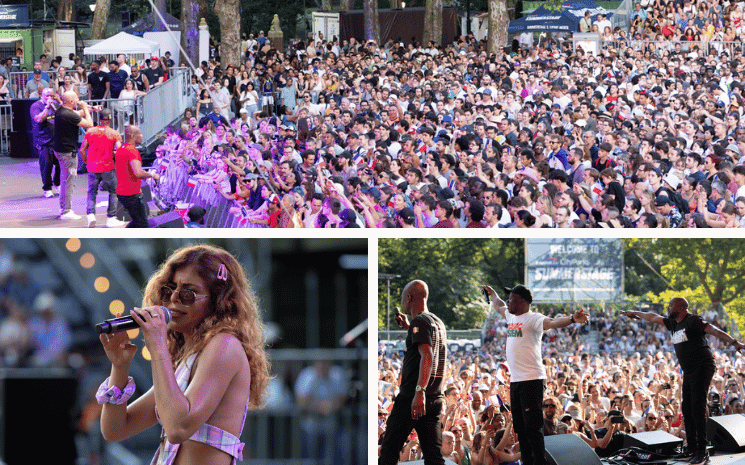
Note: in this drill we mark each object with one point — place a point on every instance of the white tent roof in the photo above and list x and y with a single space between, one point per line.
122 43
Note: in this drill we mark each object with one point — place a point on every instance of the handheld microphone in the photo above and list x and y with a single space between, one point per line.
125 323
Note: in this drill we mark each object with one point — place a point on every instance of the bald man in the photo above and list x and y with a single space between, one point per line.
420 400
129 172
695 357
67 120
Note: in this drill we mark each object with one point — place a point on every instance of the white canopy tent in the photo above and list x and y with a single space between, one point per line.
132 46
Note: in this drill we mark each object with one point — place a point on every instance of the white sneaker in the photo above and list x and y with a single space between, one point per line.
54 190
71 215
113 222
48 194
91 220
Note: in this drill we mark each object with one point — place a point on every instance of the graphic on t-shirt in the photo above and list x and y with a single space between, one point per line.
679 336
515 330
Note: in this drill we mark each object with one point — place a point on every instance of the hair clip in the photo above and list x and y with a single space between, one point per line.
222 272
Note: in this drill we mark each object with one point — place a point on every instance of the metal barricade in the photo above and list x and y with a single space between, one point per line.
6 127
176 189
658 47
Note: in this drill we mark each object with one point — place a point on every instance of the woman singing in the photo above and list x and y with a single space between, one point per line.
208 362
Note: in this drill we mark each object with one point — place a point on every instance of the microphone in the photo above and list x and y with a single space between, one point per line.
125 323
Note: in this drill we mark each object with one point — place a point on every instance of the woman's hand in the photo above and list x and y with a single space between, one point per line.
153 324
119 349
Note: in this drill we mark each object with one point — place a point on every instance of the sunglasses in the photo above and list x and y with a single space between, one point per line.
549 405
186 296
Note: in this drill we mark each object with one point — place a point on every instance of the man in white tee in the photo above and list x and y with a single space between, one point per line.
527 373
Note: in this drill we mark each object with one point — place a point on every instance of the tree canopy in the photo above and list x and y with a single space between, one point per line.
454 270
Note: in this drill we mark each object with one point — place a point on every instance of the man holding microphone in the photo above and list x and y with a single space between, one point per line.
527 373
67 120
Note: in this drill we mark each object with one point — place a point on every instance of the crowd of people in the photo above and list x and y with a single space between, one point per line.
632 375
349 134
331 133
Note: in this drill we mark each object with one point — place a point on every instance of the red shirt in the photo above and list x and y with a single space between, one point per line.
101 143
274 219
443 224
127 182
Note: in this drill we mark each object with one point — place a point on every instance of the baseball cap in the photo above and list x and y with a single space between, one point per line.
374 191
274 198
407 214
522 291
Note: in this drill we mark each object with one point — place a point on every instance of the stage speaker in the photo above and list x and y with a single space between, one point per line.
727 433
659 442
167 220
568 449
21 146
35 404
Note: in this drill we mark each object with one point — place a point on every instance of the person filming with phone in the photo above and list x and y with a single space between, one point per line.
527 372
420 400
697 362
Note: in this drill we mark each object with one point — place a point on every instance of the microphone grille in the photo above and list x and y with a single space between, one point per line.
166 314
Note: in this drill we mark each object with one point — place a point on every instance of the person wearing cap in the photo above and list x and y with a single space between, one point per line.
34 86
666 208
99 145
525 329
154 74
420 400
196 216
42 123
688 334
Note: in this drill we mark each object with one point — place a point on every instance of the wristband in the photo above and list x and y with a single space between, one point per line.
571 318
113 395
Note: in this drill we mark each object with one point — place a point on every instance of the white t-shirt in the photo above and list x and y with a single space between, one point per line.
524 346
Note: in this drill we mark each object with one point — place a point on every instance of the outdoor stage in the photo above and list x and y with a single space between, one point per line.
23 205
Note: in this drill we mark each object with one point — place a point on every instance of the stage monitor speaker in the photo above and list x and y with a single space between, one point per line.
659 442
568 449
21 146
36 404
167 220
727 433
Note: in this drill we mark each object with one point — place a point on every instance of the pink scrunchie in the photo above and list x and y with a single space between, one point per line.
113 395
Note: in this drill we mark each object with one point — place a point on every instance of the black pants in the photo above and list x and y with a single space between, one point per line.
428 429
526 398
47 161
696 384
135 208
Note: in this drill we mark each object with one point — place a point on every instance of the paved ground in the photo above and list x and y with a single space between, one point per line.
23 205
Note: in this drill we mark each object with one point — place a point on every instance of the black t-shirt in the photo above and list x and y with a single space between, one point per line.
98 84
153 75
689 341
425 328
44 131
66 130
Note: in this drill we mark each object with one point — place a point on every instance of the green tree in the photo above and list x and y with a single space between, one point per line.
454 269
701 270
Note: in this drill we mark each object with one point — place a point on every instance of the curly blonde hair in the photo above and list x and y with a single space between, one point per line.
233 309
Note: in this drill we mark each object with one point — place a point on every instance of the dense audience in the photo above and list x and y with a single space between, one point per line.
630 374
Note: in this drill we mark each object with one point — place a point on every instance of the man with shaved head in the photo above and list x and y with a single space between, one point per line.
67 120
420 400
695 357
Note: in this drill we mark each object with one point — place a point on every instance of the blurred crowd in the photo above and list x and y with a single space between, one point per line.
627 381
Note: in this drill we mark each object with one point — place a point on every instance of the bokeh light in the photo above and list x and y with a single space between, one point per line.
133 333
87 260
101 284
116 307
73 245
145 353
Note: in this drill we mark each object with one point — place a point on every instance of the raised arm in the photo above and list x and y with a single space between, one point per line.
496 303
646 316
563 321
722 336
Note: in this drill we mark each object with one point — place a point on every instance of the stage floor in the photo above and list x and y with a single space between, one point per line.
721 458
22 202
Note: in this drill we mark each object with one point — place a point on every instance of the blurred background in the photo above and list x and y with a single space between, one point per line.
313 298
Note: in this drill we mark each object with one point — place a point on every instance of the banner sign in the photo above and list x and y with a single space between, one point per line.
574 269
13 16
